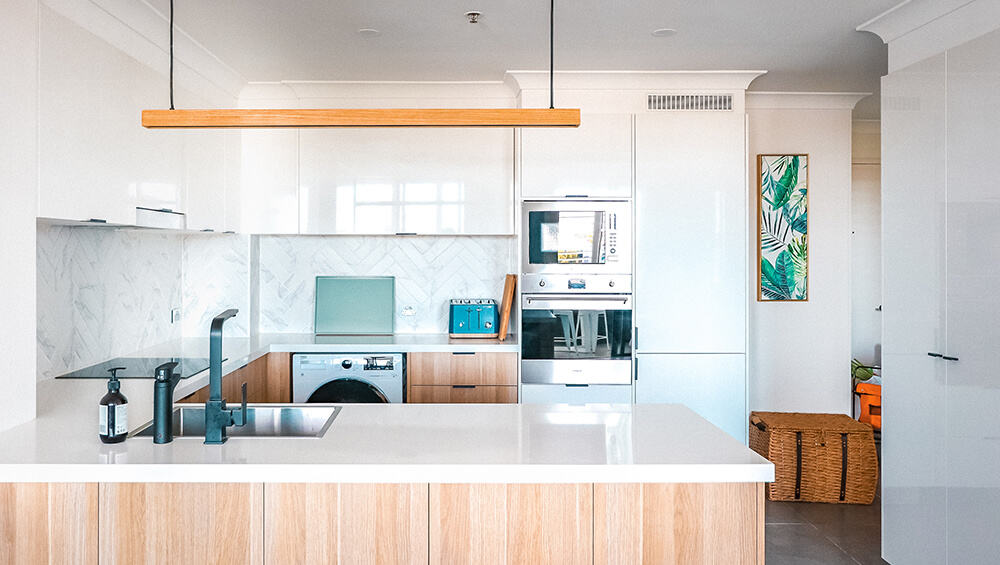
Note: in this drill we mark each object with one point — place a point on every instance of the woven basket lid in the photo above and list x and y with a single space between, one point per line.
820 422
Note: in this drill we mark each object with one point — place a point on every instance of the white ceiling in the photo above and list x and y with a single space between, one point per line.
805 45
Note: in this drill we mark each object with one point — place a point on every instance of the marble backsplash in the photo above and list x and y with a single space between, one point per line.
103 293
429 271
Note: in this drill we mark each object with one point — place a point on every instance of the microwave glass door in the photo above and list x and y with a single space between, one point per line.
576 328
573 237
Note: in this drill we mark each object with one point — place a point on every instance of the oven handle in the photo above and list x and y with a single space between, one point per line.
577 302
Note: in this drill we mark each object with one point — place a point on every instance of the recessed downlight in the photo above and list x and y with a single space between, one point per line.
664 32
369 32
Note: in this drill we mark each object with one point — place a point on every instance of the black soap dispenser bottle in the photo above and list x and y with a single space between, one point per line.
113 417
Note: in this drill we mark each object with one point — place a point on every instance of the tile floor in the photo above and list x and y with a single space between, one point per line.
803 533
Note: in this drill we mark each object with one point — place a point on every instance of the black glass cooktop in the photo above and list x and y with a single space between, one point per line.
139 368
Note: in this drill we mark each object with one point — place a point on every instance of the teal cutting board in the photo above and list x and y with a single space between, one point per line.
355 305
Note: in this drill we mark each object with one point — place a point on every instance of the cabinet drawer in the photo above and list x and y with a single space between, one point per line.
498 369
462 394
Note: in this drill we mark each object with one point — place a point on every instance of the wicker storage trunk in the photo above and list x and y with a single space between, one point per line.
817 457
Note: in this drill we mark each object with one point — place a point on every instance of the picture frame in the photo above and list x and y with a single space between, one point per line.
783 227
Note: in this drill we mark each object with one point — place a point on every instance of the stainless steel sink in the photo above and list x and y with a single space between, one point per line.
263 420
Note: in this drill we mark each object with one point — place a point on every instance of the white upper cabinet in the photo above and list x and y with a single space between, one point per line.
691 232
594 160
205 179
95 159
406 180
269 195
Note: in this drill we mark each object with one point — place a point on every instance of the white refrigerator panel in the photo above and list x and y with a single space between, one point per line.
691 233
714 386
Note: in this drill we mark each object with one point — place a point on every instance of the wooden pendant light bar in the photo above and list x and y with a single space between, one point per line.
367 117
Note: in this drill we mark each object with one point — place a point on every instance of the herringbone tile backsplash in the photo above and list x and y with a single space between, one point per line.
429 271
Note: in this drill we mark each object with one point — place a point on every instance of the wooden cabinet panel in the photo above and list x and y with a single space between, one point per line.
268 378
678 523
468 524
345 523
180 523
461 369
278 380
48 523
550 524
467 394
511 524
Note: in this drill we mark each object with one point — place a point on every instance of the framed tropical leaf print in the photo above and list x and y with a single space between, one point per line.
783 228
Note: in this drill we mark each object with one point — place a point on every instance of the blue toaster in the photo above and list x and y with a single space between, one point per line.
473 317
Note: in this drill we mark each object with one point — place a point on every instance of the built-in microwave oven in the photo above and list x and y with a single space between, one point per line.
574 237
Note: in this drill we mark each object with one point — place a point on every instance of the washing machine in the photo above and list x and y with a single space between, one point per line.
348 377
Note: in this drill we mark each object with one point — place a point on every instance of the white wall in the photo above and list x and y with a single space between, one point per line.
19 194
866 243
800 352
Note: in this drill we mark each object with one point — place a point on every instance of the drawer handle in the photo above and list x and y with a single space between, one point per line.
463 352
463 386
576 386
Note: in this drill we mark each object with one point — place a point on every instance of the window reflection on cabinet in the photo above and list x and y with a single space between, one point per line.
387 181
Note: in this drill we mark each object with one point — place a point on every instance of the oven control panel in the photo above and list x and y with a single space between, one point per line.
561 284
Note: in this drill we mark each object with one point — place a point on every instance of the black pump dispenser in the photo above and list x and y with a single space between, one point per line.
113 414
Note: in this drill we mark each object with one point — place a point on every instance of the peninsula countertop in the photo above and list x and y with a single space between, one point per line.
393 443
239 351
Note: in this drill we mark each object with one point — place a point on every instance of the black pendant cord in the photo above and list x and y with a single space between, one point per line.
552 27
171 54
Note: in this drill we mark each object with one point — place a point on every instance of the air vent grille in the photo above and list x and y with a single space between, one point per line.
689 102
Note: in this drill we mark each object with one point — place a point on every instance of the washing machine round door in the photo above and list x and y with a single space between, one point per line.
348 391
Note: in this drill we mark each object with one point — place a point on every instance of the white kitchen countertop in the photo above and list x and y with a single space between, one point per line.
465 443
660 443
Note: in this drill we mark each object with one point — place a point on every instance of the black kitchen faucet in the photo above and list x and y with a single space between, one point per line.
217 416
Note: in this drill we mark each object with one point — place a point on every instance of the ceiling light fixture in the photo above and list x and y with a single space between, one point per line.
369 32
664 32
366 117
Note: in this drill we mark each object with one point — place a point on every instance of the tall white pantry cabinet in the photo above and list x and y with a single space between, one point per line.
941 271
691 262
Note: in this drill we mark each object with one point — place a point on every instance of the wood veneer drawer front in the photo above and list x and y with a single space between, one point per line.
462 394
499 369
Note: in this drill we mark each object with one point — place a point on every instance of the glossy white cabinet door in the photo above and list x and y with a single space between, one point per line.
913 240
592 160
269 179
205 179
714 386
973 302
562 394
691 233
95 159
392 180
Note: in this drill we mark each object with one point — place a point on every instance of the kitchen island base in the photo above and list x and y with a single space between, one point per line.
404 523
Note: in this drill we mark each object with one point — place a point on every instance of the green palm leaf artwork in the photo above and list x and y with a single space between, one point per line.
783 225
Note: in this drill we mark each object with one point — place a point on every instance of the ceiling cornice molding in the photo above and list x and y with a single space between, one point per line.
804 100
909 15
633 80
140 30
917 29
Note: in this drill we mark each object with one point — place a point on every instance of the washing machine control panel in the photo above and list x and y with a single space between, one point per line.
379 363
